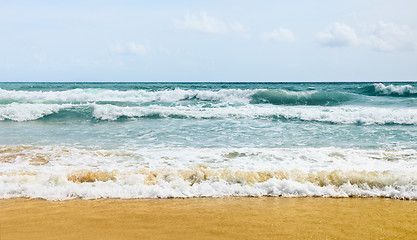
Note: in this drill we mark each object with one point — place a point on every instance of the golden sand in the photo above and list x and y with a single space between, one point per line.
210 218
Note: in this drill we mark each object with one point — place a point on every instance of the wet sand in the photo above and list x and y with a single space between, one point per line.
209 218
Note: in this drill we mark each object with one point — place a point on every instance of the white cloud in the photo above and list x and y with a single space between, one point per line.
130 48
390 37
381 37
237 27
280 34
338 35
207 24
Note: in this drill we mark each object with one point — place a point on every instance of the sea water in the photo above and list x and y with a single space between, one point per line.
159 140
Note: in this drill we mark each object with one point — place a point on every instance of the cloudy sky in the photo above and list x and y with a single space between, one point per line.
322 40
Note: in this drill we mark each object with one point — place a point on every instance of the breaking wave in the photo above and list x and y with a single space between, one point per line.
26 112
281 97
59 173
108 112
379 89
276 97
137 96
205 182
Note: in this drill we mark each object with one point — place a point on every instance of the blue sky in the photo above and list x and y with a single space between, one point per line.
208 41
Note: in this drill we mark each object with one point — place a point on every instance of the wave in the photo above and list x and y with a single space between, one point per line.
203 182
138 96
26 112
107 112
282 97
276 97
379 89
337 115
256 159
59 173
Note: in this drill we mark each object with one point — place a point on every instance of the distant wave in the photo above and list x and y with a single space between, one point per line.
107 112
282 97
379 89
138 96
276 97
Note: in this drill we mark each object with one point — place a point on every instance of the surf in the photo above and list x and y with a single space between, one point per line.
282 97
92 112
391 90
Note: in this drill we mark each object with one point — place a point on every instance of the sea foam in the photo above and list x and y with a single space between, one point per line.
207 183
138 96
25 112
276 97
394 90
59 173
339 115
335 115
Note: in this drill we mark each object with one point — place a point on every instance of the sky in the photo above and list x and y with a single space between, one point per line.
208 41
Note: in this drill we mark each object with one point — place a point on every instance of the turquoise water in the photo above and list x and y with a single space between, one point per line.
113 115
218 126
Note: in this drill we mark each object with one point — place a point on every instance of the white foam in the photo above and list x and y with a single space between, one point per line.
392 89
25 112
339 115
92 95
342 115
57 187
58 173
249 159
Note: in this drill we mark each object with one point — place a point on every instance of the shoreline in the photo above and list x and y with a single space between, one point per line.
209 218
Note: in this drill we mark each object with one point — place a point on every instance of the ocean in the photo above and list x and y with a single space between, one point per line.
63 141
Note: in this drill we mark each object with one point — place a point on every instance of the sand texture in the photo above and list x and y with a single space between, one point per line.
209 218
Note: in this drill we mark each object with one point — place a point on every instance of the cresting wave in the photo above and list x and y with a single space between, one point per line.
338 115
59 173
26 112
137 96
335 115
276 97
282 97
379 89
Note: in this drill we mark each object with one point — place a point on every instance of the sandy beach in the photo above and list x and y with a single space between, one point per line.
209 218
208 120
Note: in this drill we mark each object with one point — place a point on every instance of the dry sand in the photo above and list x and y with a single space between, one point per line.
209 218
